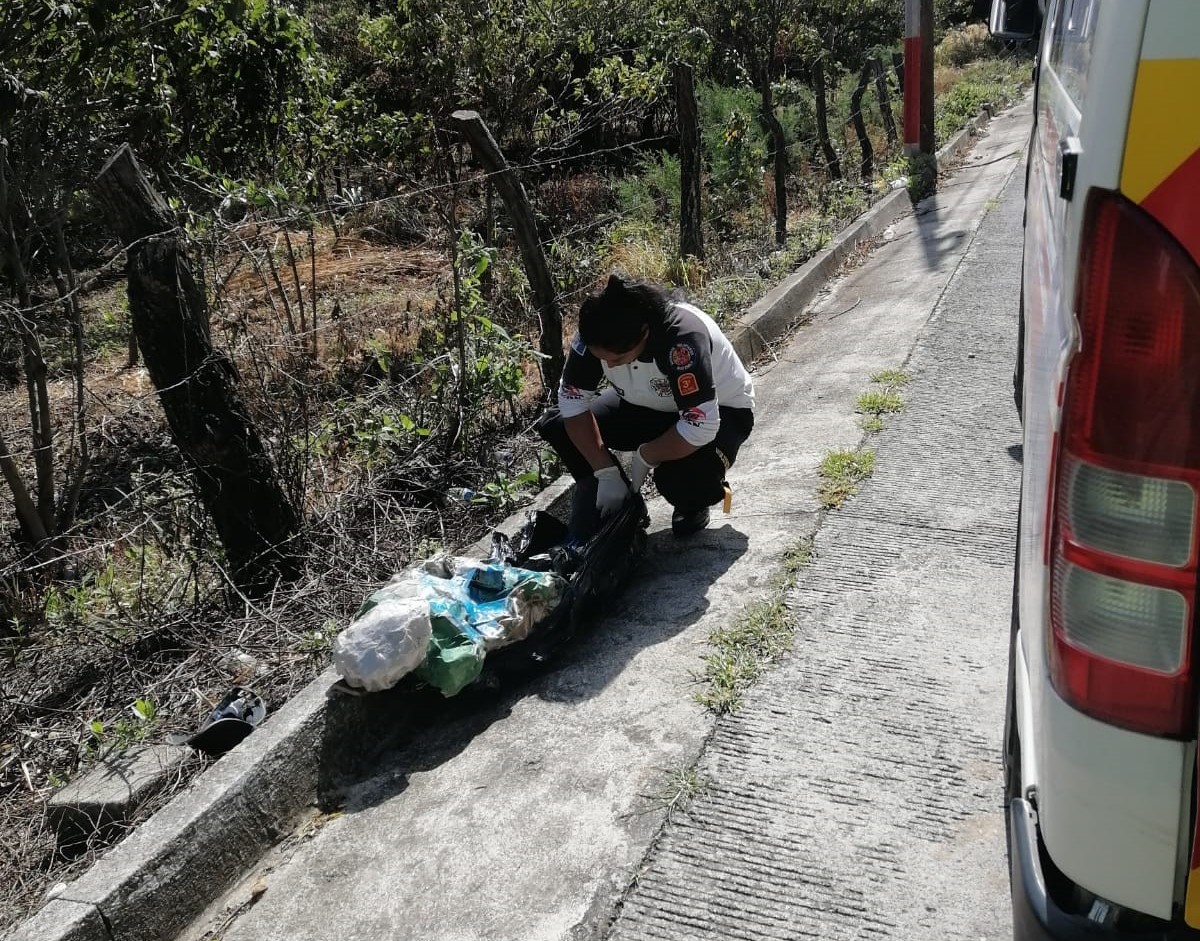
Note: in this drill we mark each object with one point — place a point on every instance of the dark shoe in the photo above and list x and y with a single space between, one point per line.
686 522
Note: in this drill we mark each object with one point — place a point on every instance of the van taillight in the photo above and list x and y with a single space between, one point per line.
1124 543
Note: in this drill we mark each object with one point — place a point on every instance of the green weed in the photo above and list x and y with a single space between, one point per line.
317 642
841 473
762 634
681 789
795 560
891 377
124 732
885 402
995 80
651 192
726 299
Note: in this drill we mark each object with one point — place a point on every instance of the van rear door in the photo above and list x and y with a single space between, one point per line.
1161 175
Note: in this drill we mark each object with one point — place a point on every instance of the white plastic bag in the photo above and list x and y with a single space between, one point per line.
387 642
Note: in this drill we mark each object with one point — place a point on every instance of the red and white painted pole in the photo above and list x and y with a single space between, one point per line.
912 77
918 77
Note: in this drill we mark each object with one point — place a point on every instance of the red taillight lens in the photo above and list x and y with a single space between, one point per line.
1125 524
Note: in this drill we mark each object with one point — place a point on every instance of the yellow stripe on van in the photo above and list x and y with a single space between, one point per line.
1163 132
1191 904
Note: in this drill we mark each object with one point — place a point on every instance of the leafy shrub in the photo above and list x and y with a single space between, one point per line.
962 46
734 145
988 80
651 192
950 13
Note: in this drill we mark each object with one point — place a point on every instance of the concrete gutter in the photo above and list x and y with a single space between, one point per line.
779 309
154 883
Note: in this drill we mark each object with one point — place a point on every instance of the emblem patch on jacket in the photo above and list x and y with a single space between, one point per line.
688 384
682 355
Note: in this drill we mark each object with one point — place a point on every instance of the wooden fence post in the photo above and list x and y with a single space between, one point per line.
487 152
197 384
691 237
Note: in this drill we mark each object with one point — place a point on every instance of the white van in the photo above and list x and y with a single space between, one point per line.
1100 749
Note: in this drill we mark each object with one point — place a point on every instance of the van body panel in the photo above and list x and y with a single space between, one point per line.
1114 827
1162 153
1108 800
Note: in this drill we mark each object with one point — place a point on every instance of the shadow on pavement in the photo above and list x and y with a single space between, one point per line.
938 246
385 737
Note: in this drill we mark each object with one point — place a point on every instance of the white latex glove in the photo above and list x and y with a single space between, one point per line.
639 470
610 490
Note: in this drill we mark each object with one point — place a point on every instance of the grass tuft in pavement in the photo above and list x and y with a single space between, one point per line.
742 651
681 788
841 473
891 378
876 402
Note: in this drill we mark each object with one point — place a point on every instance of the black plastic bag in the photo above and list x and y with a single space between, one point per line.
596 572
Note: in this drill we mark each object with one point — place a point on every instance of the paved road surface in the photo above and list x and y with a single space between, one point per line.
858 794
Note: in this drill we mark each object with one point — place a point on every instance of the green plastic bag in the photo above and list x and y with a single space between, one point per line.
454 661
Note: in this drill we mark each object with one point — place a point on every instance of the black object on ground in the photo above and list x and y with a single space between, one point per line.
239 713
595 571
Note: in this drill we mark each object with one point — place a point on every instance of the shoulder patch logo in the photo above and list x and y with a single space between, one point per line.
688 384
578 346
682 355
694 416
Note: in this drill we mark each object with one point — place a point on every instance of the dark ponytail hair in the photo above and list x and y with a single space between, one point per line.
614 319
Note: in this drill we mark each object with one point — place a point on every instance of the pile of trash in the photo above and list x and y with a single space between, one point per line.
438 621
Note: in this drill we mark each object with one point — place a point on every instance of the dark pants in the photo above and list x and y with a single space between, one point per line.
687 484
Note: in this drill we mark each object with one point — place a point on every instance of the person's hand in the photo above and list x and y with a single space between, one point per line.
639 470
610 490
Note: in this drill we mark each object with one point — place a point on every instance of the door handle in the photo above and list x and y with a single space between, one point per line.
1069 150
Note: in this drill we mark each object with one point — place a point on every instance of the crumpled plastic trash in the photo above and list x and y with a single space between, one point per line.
471 607
388 639
454 660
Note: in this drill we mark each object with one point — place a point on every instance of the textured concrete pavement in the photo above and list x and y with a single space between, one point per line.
858 793
861 782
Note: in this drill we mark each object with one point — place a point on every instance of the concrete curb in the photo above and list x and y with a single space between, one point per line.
774 313
157 881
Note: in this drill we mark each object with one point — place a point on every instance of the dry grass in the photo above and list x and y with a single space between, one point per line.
142 610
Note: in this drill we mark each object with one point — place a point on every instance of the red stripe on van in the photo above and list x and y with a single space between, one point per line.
1173 203
1049 537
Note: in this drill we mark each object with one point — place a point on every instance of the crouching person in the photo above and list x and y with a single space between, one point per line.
677 395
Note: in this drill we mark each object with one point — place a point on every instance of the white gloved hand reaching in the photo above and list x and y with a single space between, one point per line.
610 490
639 470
